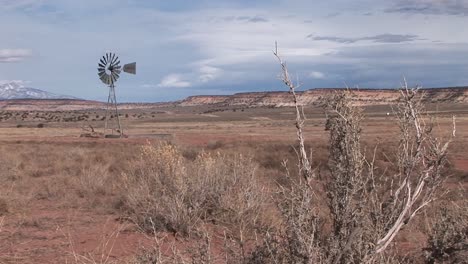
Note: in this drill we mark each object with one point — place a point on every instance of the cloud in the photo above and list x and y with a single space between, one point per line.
317 75
209 73
334 14
252 19
174 81
244 18
382 38
435 7
14 55
20 4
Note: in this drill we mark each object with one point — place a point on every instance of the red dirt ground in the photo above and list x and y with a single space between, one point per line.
54 235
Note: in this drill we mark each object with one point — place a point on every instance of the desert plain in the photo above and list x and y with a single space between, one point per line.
60 193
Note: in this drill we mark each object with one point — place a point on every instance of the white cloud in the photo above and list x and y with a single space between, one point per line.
317 75
174 81
14 55
209 73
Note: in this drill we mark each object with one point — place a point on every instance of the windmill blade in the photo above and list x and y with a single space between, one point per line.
115 76
117 63
130 68
101 65
111 58
114 60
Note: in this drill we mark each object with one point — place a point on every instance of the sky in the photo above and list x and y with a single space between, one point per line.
210 47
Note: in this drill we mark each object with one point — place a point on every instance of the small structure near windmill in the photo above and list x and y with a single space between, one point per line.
109 70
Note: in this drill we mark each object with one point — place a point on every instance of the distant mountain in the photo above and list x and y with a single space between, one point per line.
14 90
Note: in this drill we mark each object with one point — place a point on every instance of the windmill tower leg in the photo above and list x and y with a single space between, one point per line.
107 110
112 108
116 111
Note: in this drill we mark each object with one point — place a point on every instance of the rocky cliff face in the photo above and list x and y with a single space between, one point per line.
312 97
203 100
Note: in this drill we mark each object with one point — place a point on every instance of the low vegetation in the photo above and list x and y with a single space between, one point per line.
167 192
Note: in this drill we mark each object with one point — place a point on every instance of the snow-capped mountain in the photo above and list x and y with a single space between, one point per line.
16 90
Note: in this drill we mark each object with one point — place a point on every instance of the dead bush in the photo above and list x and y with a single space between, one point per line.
213 145
448 240
365 212
3 207
166 192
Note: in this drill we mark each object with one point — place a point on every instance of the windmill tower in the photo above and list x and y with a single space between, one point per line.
109 70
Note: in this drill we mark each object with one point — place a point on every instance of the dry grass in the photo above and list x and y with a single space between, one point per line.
167 192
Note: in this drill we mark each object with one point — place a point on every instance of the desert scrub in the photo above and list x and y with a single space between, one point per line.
448 239
167 192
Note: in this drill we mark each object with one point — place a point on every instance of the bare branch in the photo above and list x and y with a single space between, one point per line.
304 162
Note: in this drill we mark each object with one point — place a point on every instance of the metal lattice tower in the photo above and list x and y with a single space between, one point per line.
109 70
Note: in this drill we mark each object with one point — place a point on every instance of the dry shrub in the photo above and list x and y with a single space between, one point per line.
448 240
213 145
166 192
3 207
364 211
93 180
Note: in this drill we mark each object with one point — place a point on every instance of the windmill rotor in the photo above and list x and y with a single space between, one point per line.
109 68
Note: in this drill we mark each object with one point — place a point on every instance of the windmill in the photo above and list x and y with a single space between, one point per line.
109 70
